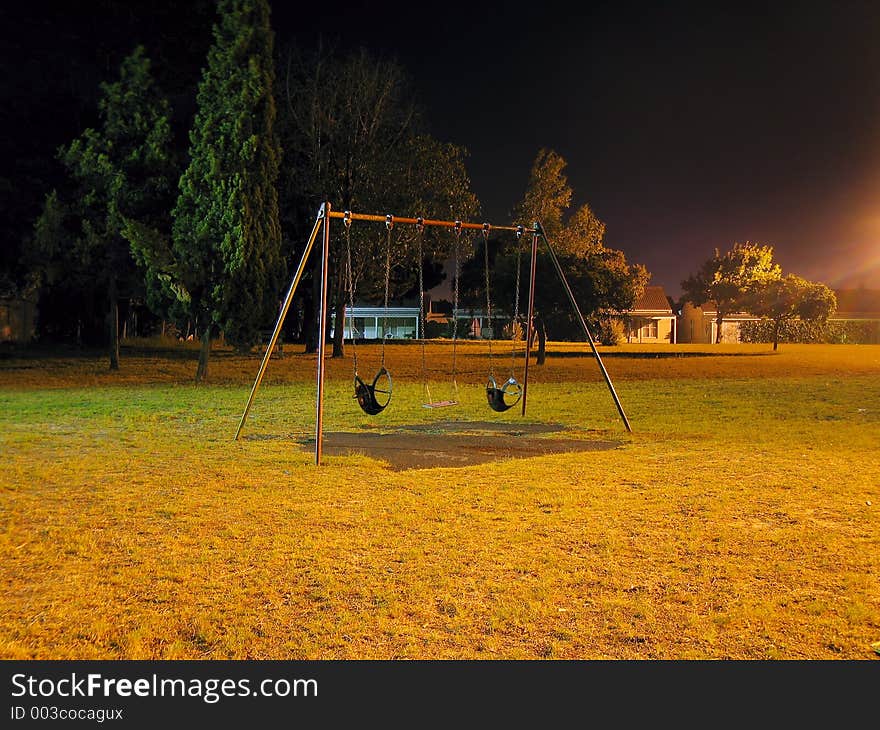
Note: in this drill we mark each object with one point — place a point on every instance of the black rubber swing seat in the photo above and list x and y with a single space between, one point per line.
375 397
505 397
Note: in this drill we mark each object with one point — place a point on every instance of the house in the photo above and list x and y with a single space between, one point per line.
651 320
370 322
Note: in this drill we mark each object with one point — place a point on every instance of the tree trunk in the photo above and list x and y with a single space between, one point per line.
542 341
204 353
113 324
776 336
718 321
339 331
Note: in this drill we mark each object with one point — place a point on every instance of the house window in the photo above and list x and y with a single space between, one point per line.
649 329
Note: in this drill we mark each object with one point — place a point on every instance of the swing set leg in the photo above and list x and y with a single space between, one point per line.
285 306
530 318
539 229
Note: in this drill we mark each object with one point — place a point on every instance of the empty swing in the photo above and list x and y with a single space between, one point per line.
429 401
508 395
374 397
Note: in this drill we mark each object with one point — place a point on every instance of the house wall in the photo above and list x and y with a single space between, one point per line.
642 329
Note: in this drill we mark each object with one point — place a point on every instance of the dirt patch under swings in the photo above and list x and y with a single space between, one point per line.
453 444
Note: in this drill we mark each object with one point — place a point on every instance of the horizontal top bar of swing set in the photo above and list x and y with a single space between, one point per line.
424 221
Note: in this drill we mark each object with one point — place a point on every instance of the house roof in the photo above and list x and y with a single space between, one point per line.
653 300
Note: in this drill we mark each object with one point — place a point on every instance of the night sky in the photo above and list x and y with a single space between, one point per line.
685 126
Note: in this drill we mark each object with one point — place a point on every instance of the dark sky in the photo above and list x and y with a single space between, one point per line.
685 126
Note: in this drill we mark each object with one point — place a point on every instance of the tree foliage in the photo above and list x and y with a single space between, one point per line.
353 135
791 297
225 252
727 280
601 279
118 174
548 194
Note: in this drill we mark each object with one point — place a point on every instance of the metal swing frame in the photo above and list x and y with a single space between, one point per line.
322 224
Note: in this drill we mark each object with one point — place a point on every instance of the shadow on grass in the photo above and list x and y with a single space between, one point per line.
446 444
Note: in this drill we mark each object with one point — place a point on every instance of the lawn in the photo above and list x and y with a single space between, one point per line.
739 520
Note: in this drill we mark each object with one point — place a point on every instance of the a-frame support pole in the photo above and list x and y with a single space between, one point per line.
530 316
284 307
322 336
539 229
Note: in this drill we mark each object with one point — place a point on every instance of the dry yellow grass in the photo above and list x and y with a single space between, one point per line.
739 520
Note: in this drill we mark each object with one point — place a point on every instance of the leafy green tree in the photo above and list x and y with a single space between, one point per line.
51 89
601 279
791 297
548 194
353 135
225 262
143 189
119 172
726 280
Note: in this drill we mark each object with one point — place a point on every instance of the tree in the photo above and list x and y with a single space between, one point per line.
118 173
727 279
548 194
791 297
600 278
144 184
53 95
225 253
353 135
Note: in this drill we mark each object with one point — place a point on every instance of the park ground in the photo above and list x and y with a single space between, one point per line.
738 520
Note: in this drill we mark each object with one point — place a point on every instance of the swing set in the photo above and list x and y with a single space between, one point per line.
374 396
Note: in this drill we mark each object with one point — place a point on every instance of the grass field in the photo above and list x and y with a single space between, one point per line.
739 520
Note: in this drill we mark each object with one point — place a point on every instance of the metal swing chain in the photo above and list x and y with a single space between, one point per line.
488 298
457 229
389 224
515 322
347 221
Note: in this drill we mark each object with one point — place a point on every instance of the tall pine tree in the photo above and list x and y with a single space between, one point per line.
120 174
226 235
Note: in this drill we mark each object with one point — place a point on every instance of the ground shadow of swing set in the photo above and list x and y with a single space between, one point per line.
373 396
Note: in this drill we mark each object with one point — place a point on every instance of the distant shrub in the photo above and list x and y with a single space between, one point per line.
610 331
806 332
